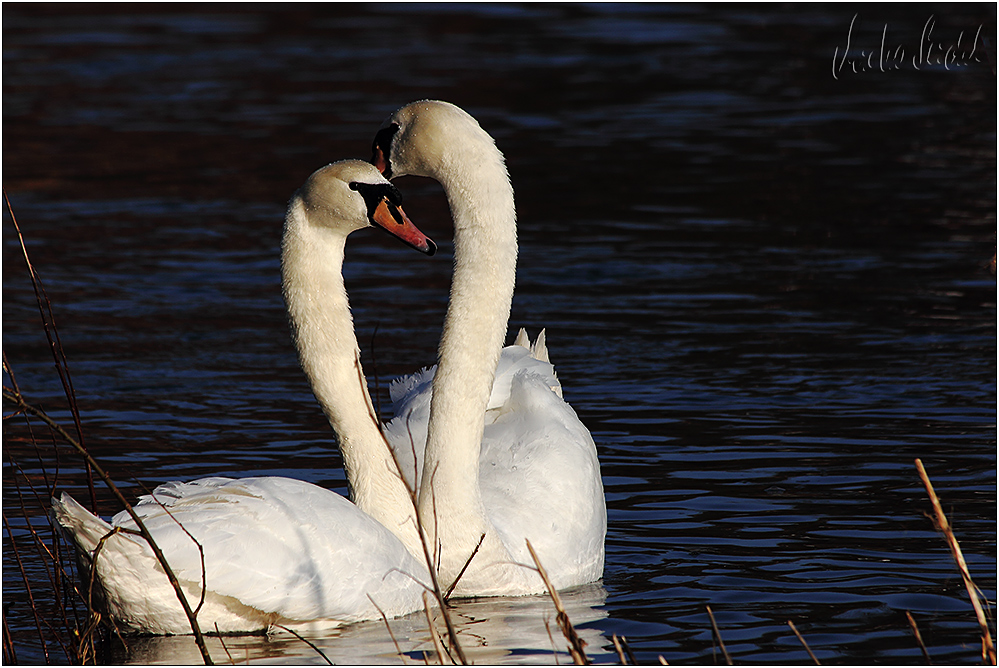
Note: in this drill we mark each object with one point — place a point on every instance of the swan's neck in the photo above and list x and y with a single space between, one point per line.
312 280
485 258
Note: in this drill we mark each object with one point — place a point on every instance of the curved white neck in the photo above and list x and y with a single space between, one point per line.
323 329
485 258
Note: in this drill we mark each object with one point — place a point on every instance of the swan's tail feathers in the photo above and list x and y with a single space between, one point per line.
523 340
84 528
540 352
539 349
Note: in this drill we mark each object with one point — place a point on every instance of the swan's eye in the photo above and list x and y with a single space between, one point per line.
377 191
374 193
394 195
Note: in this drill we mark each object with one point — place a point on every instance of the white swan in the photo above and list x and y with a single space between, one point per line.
507 459
276 550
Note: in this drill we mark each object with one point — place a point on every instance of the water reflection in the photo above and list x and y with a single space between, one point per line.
491 630
764 288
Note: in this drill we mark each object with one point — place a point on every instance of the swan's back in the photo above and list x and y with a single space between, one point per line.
411 396
276 551
540 480
538 470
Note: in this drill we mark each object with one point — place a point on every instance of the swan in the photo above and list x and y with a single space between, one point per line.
505 458
279 551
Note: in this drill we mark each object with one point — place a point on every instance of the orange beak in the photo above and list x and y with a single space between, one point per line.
394 220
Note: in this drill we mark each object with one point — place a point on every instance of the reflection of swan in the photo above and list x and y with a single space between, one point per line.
505 630
276 550
505 457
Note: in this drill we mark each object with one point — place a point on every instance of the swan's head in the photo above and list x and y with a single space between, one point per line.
429 138
351 194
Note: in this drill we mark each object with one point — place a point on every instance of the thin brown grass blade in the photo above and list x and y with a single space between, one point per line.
318 651
576 644
201 549
438 594
55 346
620 651
438 645
721 643
27 587
464 568
45 558
9 655
19 401
222 641
988 649
919 637
802 641
551 639
627 651
388 627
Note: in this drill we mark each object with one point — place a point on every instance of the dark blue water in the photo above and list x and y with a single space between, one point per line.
764 277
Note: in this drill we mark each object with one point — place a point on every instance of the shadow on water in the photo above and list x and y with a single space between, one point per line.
764 279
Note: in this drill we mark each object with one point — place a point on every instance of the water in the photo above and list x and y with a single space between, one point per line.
764 282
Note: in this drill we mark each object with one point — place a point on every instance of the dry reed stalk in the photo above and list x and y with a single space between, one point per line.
45 557
942 525
55 346
620 651
44 553
222 642
802 640
627 650
19 401
721 643
92 576
62 368
57 578
576 644
663 661
438 645
318 651
624 653
201 549
551 639
76 649
27 586
388 628
9 655
454 584
918 636
414 500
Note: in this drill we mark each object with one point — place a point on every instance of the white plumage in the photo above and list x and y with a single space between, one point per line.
411 395
486 437
504 457
276 550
